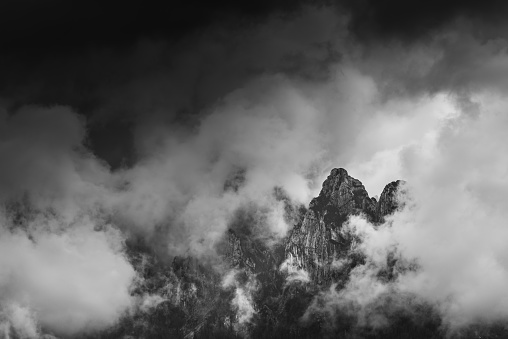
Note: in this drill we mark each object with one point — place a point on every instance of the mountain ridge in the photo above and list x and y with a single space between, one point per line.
277 281
265 290
317 242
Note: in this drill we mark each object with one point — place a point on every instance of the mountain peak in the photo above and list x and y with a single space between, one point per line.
318 241
388 201
338 172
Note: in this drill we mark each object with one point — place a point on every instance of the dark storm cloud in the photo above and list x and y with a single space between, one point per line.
124 66
411 20
70 26
58 25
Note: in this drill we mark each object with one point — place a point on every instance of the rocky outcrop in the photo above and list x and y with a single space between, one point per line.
251 255
388 201
187 298
318 244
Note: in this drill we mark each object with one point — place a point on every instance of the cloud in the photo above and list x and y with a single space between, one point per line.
70 283
63 266
242 301
447 239
293 273
279 131
159 82
437 121
21 319
460 215
408 22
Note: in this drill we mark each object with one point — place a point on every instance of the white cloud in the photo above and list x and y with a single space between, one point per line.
242 301
70 282
453 227
293 272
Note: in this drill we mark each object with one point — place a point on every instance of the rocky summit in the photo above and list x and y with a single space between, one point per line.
316 243
264 288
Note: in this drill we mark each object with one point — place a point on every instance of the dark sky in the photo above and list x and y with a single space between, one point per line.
83 53
66 27
62 26
412 20
76 53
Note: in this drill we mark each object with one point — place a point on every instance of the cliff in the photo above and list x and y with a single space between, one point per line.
186 298
318 244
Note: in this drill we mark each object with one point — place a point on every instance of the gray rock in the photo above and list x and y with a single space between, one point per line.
318 243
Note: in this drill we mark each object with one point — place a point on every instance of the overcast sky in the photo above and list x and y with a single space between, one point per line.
163 122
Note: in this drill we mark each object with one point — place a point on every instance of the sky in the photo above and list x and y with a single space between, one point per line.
121 120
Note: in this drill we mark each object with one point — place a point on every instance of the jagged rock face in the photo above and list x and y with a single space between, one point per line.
341 196
234 251
317 245
195 304
388 201
248 244
250 255
178 299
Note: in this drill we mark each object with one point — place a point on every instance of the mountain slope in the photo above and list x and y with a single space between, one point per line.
264 289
